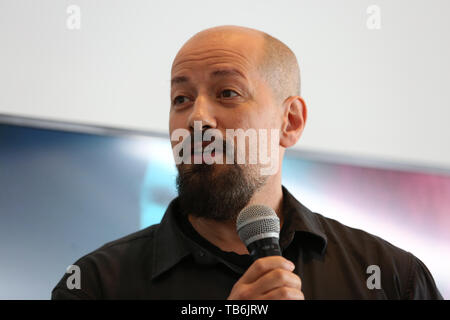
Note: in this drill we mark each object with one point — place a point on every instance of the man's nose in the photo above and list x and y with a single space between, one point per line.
202 110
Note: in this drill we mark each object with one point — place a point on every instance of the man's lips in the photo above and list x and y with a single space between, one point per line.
199 147
200 157
212 153
198 154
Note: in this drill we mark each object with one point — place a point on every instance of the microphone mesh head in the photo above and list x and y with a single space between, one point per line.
257 222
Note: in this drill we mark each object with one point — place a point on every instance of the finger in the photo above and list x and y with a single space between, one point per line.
275 279
263 265
284 293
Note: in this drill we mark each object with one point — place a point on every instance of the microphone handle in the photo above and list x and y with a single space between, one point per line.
264 247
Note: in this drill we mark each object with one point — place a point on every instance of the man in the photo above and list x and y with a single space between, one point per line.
232 77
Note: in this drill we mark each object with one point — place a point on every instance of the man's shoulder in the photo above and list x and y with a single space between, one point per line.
360 242
407 274
131 246
135 238
102 267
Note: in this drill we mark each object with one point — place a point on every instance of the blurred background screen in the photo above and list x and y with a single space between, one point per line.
67 189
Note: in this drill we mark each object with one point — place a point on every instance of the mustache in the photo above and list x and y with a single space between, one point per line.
227 145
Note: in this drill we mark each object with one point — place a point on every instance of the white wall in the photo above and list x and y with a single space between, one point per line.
374 93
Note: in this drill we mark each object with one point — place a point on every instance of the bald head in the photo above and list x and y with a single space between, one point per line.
279 66
275 62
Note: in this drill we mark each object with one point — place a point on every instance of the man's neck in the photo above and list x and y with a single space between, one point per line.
223 234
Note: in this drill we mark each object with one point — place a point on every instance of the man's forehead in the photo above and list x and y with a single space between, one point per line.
239 50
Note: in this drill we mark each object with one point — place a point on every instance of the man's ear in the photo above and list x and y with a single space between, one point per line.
294 121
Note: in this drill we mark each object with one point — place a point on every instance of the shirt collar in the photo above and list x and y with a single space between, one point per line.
170 245
302 224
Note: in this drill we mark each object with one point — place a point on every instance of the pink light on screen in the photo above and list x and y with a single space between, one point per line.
409 209
418 201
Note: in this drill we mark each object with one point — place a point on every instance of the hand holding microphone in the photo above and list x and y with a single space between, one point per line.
270 276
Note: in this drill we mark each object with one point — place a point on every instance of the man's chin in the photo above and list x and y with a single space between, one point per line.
214 191
212 169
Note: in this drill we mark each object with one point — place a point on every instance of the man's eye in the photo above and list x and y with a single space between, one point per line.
228 93
179 99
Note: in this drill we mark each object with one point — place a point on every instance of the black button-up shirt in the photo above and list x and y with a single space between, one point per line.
171 260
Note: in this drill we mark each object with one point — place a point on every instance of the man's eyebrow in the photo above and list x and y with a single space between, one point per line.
215 74
178 80
228 73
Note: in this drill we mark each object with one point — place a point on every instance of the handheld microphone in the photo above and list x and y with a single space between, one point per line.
258 227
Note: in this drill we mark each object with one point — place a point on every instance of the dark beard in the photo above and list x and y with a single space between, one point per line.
204 191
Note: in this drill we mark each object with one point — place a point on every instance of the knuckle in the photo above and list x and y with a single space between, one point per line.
281 275
295 279
234 292
284 260
258 265
299 282
245 293
285 293
236 286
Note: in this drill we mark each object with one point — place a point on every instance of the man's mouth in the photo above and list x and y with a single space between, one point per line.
200 157
197 152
